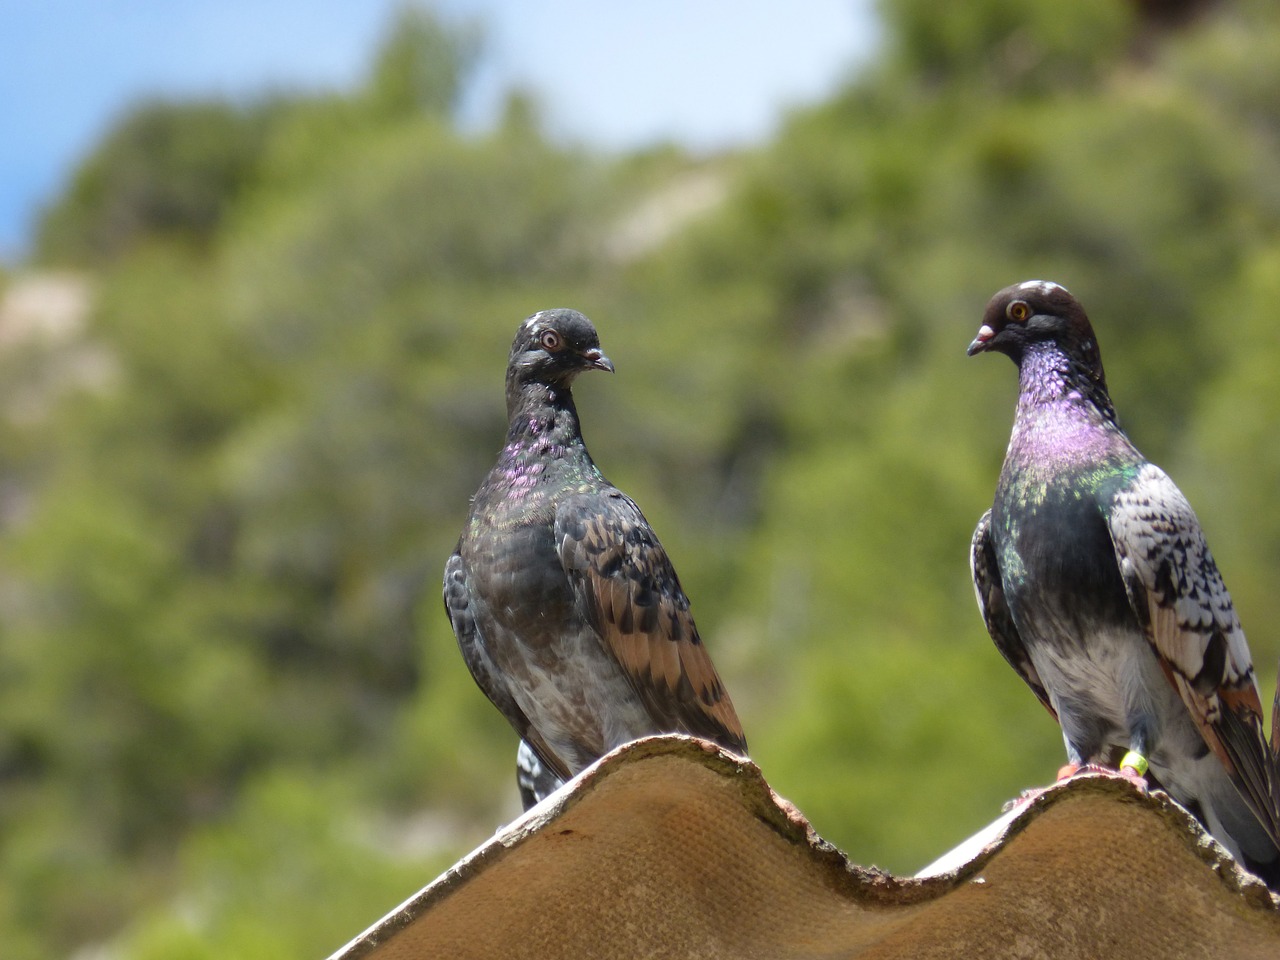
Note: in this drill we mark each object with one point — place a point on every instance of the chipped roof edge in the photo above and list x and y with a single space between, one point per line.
973 854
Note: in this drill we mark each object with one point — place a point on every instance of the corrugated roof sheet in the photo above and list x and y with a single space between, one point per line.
669 847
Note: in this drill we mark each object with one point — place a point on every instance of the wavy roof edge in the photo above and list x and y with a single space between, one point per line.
671 847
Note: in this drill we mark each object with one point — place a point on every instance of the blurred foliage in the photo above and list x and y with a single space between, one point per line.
233 721
168 171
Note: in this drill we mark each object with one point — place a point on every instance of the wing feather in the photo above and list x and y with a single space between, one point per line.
1178 595
628 589
458 605
989 589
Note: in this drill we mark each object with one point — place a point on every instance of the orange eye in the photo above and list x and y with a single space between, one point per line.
550 340
1018 311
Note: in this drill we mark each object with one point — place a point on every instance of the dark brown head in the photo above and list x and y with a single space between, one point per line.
554 346
1039 311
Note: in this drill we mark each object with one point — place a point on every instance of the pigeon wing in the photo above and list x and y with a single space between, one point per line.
989 589
458 604
627 589
1178 595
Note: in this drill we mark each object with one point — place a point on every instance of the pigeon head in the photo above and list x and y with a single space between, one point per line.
554 346
1038 311
1042 318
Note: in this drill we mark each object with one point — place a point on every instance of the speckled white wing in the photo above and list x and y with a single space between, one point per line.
1186 612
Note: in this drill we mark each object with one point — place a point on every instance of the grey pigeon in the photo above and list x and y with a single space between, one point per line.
566 608
1097 586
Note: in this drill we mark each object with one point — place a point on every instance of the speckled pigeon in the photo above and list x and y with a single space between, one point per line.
566 608
1097 586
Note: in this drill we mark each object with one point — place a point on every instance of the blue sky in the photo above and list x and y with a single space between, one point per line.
707 73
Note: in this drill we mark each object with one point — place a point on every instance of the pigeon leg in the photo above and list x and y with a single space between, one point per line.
1133 767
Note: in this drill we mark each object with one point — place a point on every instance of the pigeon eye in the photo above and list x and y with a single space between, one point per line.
551 340
1018 311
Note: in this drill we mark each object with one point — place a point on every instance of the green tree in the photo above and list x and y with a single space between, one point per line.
169 171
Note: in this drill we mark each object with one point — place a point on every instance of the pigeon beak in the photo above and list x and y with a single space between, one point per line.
979 344
596 360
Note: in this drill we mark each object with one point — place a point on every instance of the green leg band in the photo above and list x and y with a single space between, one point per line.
1136 762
